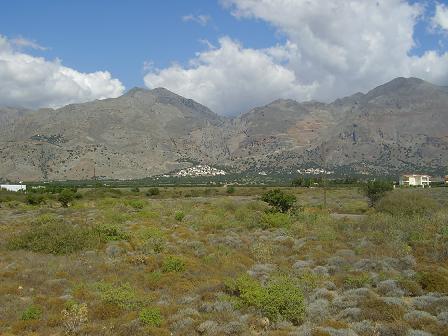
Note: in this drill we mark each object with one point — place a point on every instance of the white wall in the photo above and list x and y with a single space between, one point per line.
13 187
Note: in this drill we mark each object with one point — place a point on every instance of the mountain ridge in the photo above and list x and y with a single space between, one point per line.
148 132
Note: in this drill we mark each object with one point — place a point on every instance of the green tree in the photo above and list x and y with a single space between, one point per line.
374 190
279 200
65 197
35 199
153 191
230 189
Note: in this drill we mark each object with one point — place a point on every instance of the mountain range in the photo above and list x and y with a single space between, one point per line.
401 126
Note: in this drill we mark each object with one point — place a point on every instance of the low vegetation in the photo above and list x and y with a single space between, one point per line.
225 261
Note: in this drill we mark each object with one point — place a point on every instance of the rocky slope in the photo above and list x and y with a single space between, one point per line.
401 125
139 134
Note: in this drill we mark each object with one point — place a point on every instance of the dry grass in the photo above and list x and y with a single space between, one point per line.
121 253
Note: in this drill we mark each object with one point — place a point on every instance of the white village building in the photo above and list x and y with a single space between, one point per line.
415 180
13 187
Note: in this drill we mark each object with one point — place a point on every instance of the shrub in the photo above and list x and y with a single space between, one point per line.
74 317
65 197
151 317
31 313
279 200
109 232
35 199
122 295
135 189
153 279
374 190
433 280
275 220
375 308
280 299
179 216
173 264
151 240
137 204
357 280
230 189
247 289
262 252
284 300
153 192
407 203
55 238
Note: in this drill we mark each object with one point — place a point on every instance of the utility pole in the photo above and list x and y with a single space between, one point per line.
324 178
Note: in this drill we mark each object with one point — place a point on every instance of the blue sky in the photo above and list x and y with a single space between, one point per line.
256 50
119 36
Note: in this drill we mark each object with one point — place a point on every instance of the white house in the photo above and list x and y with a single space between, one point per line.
13 187
415 180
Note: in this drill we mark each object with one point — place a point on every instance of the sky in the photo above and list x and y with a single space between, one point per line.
230 55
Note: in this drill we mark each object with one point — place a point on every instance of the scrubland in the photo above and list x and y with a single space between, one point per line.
217 261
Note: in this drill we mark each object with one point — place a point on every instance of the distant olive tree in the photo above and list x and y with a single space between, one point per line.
374 190
279 200
230 189
153 191
65 197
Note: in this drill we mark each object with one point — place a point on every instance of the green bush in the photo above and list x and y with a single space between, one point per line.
109 232
247 289
135 189
153 192
357 280
137 204
122 295
281 299
65 197
55 238
284 300
173 264
150 240
279 200
31 313
35 199
407 203
275 220
151 317
374 190
230 189
179 216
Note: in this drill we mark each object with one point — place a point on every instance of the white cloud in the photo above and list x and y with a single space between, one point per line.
333 48
229 79
203 20
33 82
440 19
21 42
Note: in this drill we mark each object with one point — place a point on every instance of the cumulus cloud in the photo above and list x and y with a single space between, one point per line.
33 82
333 48
203 20
440 19
230 78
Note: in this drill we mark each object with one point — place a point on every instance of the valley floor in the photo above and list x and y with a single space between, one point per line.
201 261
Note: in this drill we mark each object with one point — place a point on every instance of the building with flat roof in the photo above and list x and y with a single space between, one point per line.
415 180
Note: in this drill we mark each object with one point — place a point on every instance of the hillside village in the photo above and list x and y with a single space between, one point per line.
200 170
